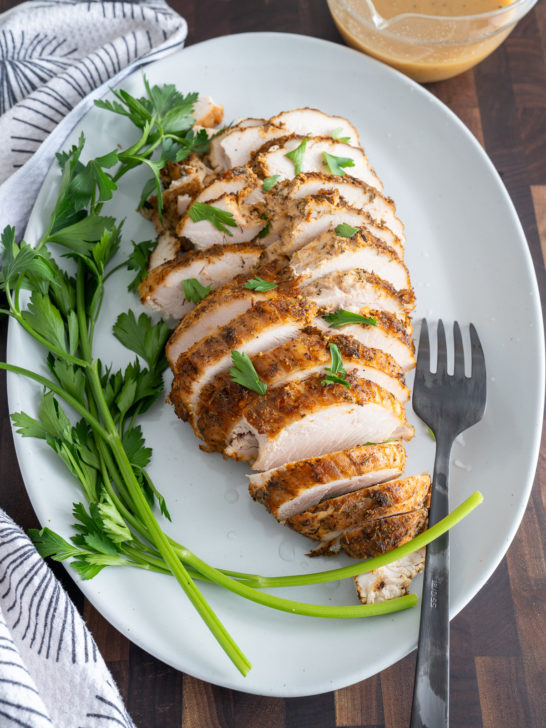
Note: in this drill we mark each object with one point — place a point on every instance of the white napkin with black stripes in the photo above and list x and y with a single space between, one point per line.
52 54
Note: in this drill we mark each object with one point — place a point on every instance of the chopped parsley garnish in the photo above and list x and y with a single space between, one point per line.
243 373
335 369
341 317
259 284
263 232
296 156
194 291
336 134
270 182
344 230
336 164
215 215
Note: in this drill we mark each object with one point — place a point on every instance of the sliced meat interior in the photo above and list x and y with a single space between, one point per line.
334 516
306 418
163 288
376 537
391 581
291 489
330 252
313 122
271 159
265 325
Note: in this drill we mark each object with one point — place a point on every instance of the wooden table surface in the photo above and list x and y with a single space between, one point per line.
498 668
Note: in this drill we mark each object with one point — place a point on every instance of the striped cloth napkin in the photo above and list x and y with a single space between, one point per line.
53 53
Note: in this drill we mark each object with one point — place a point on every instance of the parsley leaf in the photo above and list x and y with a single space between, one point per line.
263 232
336 134
335 369
259 284
341 317
194 291
215 215
138 260
243 373
144 338
296 156
336 164
270 182
344 230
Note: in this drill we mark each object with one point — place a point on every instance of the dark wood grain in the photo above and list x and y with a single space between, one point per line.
499 640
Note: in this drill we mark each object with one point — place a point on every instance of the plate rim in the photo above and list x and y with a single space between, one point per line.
532 277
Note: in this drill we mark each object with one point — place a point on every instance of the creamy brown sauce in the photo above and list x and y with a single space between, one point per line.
445 8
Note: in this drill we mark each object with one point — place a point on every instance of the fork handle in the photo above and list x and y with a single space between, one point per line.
430 707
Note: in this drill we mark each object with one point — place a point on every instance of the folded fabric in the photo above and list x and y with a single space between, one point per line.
51 672
53 53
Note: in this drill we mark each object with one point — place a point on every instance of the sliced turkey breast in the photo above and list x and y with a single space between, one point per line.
265 325
271 159
312 216
168 246
391 334
353 192
330 252
391 581
231 182
295 487
355 290
206 112
312 122
376 537
248 222
333 517
216 310
235 146
222 401
305 418
163 289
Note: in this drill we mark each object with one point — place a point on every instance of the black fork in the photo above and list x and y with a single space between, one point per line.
448 404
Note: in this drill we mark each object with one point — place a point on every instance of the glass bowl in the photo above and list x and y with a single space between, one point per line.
425 47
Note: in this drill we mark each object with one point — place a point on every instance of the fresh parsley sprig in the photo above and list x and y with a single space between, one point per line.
243 373
341 317
215 215
270 182
259 284
297 155
336 134
336 370
344 230
194 291
336 164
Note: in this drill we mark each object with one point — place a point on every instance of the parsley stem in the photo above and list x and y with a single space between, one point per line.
68 398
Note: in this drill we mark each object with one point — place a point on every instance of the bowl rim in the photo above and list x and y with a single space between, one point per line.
520 6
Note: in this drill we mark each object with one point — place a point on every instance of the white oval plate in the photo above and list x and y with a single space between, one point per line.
469 260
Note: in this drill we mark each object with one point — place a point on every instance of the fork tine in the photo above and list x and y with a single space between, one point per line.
478 359
441 366
458 369
423 353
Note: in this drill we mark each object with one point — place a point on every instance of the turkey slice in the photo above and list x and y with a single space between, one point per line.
312 122
312 216
333 517
330 252
305 418
235 146
293 488
391 581
271 159
376 537
265 325
222 401
391 334
163 290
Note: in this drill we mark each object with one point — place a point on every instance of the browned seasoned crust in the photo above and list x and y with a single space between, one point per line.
354 509
332 246
376 537
157 275
284 187
289 481
222 401
391 324
279 310
280 406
